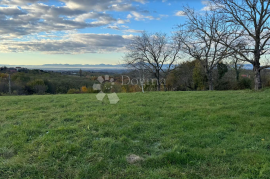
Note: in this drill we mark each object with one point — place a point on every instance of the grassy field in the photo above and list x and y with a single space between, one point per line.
175 134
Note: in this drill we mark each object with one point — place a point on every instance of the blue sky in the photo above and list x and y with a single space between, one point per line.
36 32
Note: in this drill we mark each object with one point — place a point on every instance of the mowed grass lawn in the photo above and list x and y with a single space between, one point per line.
177 134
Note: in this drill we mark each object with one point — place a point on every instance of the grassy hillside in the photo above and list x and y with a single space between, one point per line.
175 134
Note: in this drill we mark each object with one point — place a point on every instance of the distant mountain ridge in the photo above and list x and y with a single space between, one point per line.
86 66
83 65
68 67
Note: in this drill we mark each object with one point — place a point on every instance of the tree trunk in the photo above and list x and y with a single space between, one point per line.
210 81
158 80
256 65
158 84
142 84
237 71
257 78
211 88
237 75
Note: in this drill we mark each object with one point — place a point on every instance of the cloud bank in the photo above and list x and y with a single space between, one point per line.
54 26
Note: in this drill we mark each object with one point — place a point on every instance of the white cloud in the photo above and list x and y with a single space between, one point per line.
129 16
139 17
19 18
132 31
124 29
180 13
33 25
209 6
113 27
101 18
70 44
129 37
12 10
104 5
121 21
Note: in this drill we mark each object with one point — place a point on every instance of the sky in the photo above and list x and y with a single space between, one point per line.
36 32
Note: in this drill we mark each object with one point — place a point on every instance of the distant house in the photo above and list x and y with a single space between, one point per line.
18 68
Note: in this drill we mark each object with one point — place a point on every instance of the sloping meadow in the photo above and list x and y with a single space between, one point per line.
172 134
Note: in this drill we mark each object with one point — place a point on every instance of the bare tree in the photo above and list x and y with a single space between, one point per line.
155 53
201 41
249 28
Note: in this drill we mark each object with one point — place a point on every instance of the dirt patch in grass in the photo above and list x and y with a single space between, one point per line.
132 159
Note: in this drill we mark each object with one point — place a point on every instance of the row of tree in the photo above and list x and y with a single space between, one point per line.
33 82
230 31
190 75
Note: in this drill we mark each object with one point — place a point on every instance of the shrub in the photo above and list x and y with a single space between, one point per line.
224 85
73 91
267 83
123 89
90 90
244 83
84 89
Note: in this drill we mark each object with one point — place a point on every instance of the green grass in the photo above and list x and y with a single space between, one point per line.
178 134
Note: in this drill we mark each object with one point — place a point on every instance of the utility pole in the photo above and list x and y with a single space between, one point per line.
9 84
141 76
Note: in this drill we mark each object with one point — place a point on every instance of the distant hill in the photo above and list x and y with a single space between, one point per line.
248 66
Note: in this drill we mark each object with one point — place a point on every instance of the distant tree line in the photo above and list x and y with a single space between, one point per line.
29 82
39 82
187 76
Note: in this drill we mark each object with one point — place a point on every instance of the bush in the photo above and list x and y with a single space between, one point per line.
73 91
224 85
244 83
90 90
84 89
267 83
